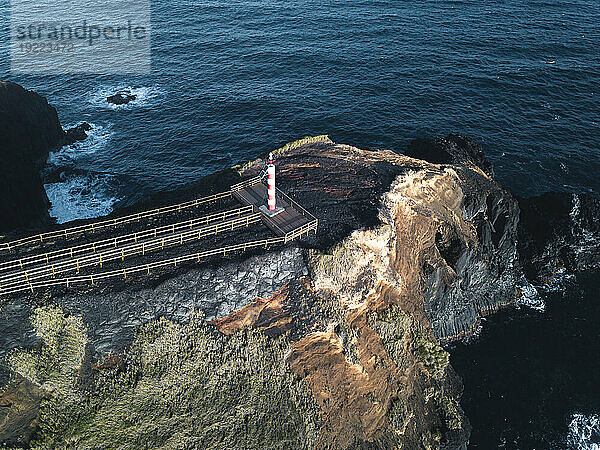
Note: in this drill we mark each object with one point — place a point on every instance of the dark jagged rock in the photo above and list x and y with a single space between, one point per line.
559 231
29 129
453 149
19 411
121 98
77 133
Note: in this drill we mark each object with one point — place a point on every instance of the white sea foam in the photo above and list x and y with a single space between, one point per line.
558 281
474 336
98 138
584 432
81 197
530 297
587 242
145 95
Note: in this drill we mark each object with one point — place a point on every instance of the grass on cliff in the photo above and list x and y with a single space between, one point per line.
240 168
179 386
62 351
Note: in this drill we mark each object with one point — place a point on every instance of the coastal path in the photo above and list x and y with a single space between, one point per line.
102 251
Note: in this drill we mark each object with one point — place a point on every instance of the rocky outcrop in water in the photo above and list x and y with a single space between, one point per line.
121 98
77 133
29 129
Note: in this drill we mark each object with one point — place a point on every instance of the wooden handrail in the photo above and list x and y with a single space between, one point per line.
94 278
96 226
29 280
70 281
294 204
120 240
243 184
75 264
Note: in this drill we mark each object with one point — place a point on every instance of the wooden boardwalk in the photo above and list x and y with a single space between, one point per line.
292 218
56 264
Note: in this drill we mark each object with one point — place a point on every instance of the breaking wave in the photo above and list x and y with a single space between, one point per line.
584 432
98 138
586 239
74 193
530 296
82 197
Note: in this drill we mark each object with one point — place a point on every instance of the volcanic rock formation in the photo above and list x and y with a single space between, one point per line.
340 351
29 129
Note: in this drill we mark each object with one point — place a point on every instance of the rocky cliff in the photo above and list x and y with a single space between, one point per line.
29 129
337 346
448 230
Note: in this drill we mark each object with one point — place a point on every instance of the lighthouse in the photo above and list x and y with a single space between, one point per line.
271 208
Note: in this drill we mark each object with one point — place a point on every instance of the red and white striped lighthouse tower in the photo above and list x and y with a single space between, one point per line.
271 209
271 182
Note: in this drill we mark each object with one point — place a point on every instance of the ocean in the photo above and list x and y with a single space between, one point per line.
232 80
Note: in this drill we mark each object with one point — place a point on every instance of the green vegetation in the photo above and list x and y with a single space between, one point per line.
179 386
286 148
451 410
63 348
300 142
55 366
431 354
391 325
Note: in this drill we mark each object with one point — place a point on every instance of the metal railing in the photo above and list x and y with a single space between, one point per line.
304 229
147 268
297 206
94 247
46 271
97 226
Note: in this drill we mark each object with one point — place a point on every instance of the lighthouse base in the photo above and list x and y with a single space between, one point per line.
263 209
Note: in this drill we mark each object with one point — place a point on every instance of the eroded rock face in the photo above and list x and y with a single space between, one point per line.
411 253
29 129
444 233
466 227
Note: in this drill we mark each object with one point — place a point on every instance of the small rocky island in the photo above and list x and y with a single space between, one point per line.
332 342
121 98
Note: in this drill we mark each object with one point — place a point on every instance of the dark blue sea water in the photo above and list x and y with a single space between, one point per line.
532 378
231 80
